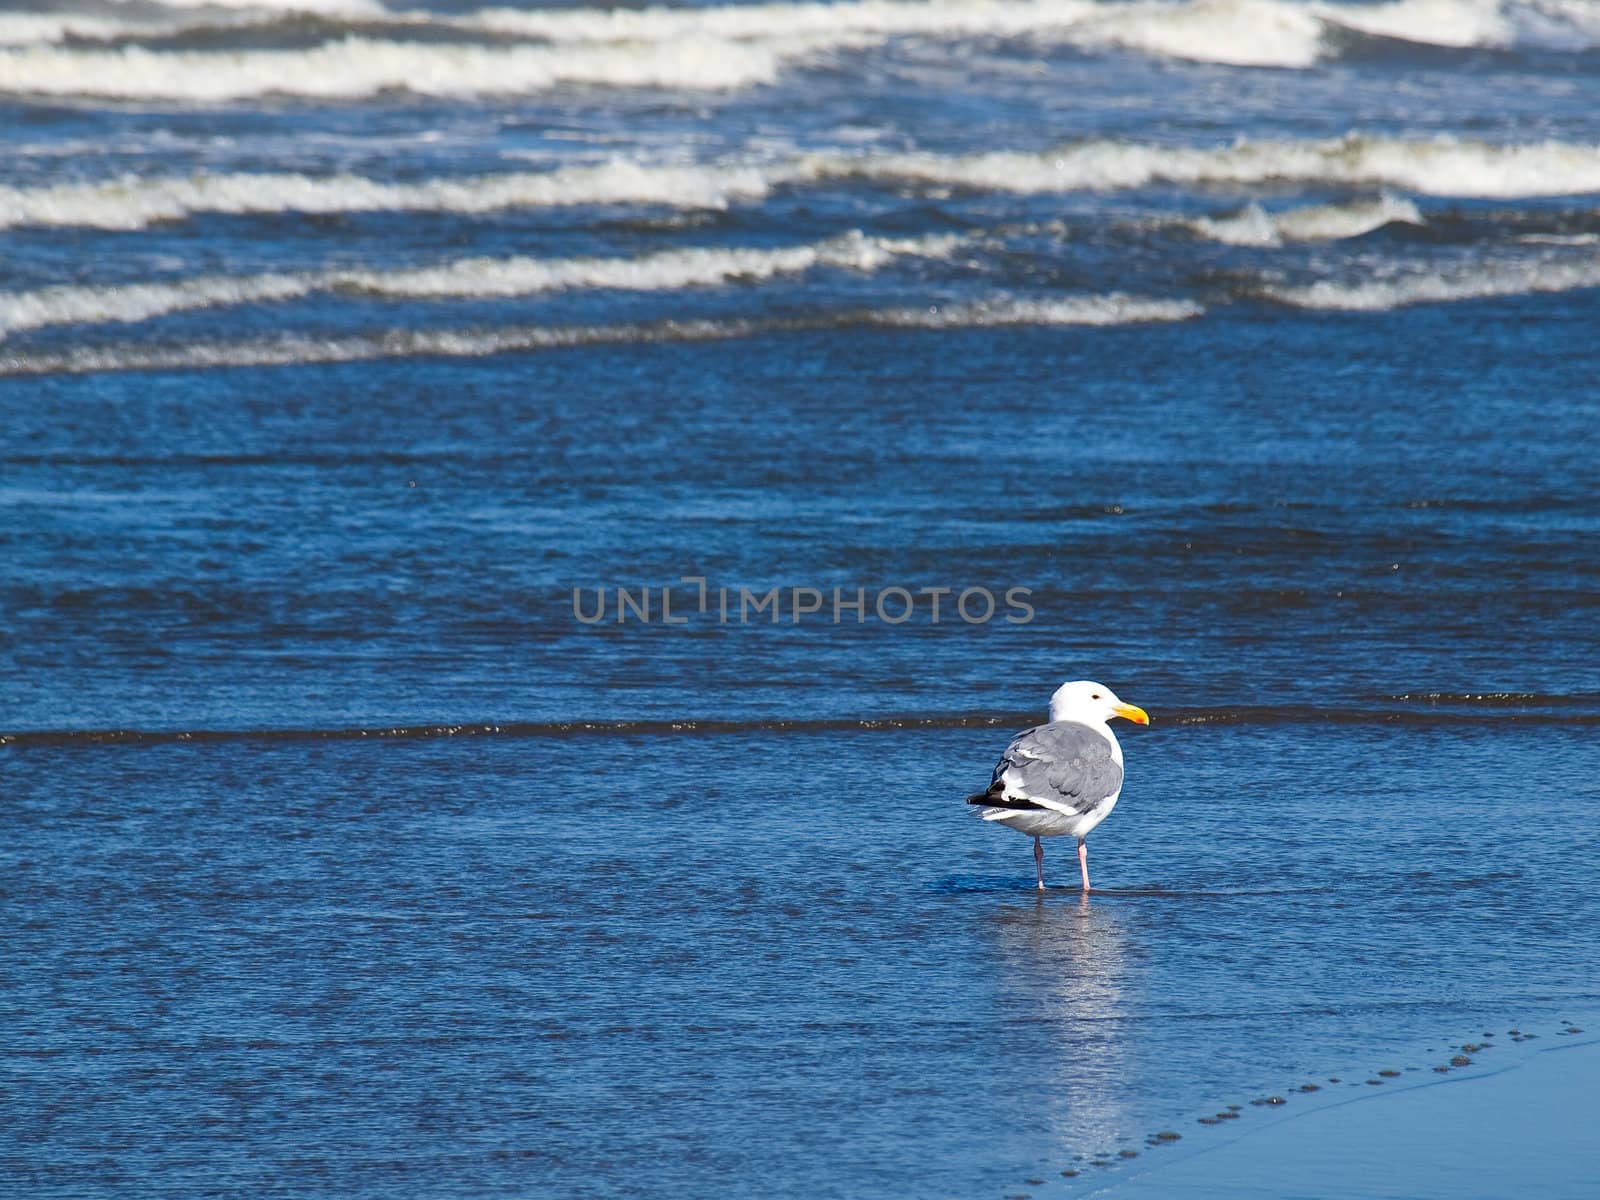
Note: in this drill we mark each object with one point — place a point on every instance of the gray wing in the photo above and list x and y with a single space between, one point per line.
1063 766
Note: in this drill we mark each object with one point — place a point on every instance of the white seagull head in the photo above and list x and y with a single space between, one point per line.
1091 703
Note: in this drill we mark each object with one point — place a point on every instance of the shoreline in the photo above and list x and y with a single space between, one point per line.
1524 1127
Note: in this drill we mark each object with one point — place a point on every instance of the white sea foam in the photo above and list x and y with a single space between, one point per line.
724 46
1439 167
130 202
666 270
1331 222
1255 226
1403 285
1443 167
1491 24
1286 33
1568 21
470 277
359 8
357 67
1114 308
1089 310
818 25
176 16
27 28
846 22
397 343
1559 239
1253 33
1433 22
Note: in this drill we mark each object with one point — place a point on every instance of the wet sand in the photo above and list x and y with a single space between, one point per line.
1527 1130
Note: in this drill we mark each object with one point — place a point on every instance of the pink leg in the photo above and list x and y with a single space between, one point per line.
1083 862
1038 862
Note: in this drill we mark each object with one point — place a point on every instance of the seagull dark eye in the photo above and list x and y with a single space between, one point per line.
1096 696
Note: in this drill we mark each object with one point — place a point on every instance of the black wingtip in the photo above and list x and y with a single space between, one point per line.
996 797
991 795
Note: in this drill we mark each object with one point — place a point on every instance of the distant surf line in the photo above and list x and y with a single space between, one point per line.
1440 166
476 278
1409 284
1071 310
713 47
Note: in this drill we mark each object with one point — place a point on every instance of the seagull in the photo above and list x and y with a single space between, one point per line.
1063 777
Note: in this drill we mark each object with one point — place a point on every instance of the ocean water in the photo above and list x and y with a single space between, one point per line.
1237 353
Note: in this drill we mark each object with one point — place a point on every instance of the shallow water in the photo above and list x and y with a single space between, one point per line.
677 963
344 859
1422 1139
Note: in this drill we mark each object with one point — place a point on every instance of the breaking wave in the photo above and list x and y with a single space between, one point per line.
129 202
469 277
1288 33
262 7
846 22
358 67
1492 24
1111 309
1255 226
1440 167
25 28
1279 33
1101 310
719 47
1414 284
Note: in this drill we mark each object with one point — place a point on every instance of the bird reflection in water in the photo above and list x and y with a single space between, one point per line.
1065 987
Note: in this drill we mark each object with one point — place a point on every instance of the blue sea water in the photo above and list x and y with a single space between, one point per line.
348 356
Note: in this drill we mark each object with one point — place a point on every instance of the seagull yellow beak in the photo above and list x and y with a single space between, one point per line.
1133 712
